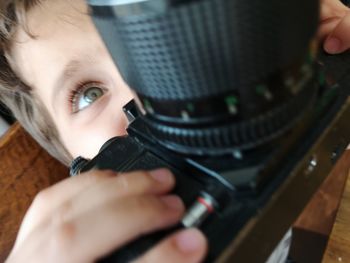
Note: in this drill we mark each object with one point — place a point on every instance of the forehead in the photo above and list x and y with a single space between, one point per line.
61 29
50 12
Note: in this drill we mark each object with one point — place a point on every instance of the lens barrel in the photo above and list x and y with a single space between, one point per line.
217 74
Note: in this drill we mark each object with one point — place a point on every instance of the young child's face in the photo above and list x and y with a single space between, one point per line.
73 75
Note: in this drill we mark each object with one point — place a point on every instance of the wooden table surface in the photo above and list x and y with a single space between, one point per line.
25 169
338 248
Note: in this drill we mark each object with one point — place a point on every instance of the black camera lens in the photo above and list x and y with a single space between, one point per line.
213 75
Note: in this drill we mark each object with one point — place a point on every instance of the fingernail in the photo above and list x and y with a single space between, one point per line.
189 240
333 45
173 202
161 175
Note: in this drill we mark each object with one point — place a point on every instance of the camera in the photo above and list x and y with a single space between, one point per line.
232 98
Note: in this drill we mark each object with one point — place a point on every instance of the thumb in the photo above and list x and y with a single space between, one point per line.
186 246
339 39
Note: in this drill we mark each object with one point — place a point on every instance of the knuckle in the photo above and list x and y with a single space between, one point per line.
106 173
63 236
62 227
123 182
96 176
64 211
150 205
127 182
154 213
42 199
144 179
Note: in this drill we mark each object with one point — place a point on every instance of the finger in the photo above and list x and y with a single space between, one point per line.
339 40
74 197
332 9
100 231
326 28
124 185
187 246
50 199
331 13
156 181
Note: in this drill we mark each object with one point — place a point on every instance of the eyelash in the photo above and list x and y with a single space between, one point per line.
78 89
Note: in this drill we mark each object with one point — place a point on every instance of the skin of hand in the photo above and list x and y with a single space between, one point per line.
334 27
88 216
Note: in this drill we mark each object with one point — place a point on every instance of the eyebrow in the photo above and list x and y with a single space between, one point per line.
69 70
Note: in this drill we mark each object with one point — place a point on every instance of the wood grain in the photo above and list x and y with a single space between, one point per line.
319 214
338 248
314 225
25 169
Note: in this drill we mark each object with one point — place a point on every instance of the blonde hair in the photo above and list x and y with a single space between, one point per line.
18 96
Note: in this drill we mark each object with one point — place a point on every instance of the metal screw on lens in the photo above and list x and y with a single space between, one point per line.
200 210
311 165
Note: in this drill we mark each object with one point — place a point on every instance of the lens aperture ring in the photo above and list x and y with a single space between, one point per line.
240 135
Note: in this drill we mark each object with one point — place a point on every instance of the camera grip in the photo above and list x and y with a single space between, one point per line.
124 154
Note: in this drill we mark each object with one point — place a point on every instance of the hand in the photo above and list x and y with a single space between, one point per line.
334 26
88 216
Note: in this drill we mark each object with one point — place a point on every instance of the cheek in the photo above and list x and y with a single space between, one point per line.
86 140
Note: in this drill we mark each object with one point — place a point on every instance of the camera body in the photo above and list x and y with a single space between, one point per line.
230 98
221 201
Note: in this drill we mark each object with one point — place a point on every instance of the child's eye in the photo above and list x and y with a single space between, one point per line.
85 95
